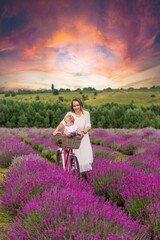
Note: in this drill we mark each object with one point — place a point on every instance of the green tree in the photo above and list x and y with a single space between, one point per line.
2 119
46 121
133 118
22 121
7 94
13 121
13 94
52 87
55 92
157 122
60 98
37 98
148 119
38 120
95 93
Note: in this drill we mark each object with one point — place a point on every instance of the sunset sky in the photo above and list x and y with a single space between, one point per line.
79 43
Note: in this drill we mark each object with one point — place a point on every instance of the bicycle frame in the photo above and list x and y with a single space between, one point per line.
65 153
65 156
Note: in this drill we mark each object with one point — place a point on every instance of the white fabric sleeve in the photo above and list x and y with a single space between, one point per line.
87 119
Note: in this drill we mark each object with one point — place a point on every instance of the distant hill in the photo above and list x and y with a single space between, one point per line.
140 97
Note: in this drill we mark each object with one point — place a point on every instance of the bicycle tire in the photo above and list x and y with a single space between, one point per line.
59 158
74 166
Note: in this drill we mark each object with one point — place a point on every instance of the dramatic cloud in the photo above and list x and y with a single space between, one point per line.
99 43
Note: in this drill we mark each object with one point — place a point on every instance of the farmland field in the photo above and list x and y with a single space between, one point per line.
145 98
118 199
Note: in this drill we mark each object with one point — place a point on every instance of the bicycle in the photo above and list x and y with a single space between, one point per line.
65 156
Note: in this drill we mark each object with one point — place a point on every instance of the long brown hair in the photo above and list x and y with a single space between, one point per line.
79 101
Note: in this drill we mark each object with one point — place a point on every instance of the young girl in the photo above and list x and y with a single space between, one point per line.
82 120
70 128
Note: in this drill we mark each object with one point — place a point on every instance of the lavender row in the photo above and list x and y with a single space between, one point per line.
53 204
17 142
137 191
12 146
110 143
133 184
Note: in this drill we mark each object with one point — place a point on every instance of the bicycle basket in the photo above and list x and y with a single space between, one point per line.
69 142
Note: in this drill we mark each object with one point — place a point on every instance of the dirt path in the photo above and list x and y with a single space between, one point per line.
5 219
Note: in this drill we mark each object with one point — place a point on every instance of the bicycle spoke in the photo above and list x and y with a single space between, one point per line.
59 158
74 166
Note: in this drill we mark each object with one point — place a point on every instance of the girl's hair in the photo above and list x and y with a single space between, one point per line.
77 100
70 117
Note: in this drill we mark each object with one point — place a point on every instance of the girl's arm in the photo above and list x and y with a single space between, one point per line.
59 127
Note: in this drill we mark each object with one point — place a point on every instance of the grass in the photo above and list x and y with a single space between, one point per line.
2 173
121 157
5 218
138 97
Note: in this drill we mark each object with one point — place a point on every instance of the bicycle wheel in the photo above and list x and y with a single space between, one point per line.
74 166
59 158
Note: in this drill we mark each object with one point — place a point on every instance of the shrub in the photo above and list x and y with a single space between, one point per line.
73 214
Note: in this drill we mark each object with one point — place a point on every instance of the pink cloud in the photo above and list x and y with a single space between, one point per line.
109 39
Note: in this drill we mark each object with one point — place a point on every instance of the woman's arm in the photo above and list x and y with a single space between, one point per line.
59 127
88 123
86 129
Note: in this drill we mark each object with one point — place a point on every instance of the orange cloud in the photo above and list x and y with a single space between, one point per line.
80 33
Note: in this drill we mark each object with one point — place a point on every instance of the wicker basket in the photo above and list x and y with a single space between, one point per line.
69 142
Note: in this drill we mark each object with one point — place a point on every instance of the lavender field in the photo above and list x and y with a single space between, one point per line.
118 199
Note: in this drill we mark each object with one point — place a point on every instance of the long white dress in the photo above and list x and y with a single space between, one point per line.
84 153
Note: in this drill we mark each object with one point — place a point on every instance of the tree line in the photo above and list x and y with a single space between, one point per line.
14 114
56 91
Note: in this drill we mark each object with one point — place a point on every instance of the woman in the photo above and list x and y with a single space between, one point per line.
82 120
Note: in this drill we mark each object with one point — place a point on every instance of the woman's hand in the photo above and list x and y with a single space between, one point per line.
86 130
81 133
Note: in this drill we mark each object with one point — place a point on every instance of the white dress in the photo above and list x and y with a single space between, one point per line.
84 153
